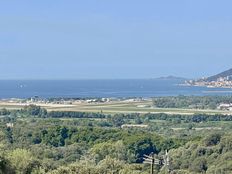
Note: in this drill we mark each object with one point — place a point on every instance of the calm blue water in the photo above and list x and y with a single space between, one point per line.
101 88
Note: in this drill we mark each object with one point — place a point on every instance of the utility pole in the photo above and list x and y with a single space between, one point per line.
152 164
150 160
160 162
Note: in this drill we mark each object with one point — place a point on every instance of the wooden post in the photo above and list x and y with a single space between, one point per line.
150 160
152 164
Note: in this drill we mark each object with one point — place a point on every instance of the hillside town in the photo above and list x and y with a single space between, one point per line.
222 82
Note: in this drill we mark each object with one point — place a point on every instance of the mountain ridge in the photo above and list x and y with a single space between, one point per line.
224 74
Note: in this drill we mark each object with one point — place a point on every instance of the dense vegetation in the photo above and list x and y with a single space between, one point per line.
37 141
213 154
191 102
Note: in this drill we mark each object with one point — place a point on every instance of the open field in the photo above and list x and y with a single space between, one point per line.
114 107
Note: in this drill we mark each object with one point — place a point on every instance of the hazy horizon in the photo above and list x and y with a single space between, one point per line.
114 39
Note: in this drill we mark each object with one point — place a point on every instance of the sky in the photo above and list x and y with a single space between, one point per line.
98 39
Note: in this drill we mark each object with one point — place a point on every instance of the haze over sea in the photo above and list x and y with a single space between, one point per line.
101 88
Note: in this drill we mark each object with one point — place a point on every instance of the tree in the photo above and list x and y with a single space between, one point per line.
110 165
212 139
23 161
199 165
115 150
140 146
34 110
5 166
117 120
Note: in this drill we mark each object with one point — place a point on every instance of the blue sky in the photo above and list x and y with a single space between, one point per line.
91 39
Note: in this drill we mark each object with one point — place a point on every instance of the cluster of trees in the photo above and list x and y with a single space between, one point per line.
42 145
73 114
21 161
213 154
197 118
34 110
4 112
193 102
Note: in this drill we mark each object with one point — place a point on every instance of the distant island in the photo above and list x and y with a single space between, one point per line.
221 80
171 78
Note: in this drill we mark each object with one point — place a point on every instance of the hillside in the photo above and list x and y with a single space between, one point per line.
221 80
224 74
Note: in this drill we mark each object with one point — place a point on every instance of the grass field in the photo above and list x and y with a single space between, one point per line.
115 107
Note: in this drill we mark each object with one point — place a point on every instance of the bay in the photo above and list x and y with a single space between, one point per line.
102 88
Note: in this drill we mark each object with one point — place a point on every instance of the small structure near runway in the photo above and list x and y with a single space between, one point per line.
124 126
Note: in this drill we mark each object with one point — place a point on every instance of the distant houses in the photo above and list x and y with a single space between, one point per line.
125 126
9 125
225 106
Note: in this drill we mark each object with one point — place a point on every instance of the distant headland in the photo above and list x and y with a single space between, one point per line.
170 77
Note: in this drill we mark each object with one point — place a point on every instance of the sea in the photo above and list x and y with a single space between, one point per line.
120 88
